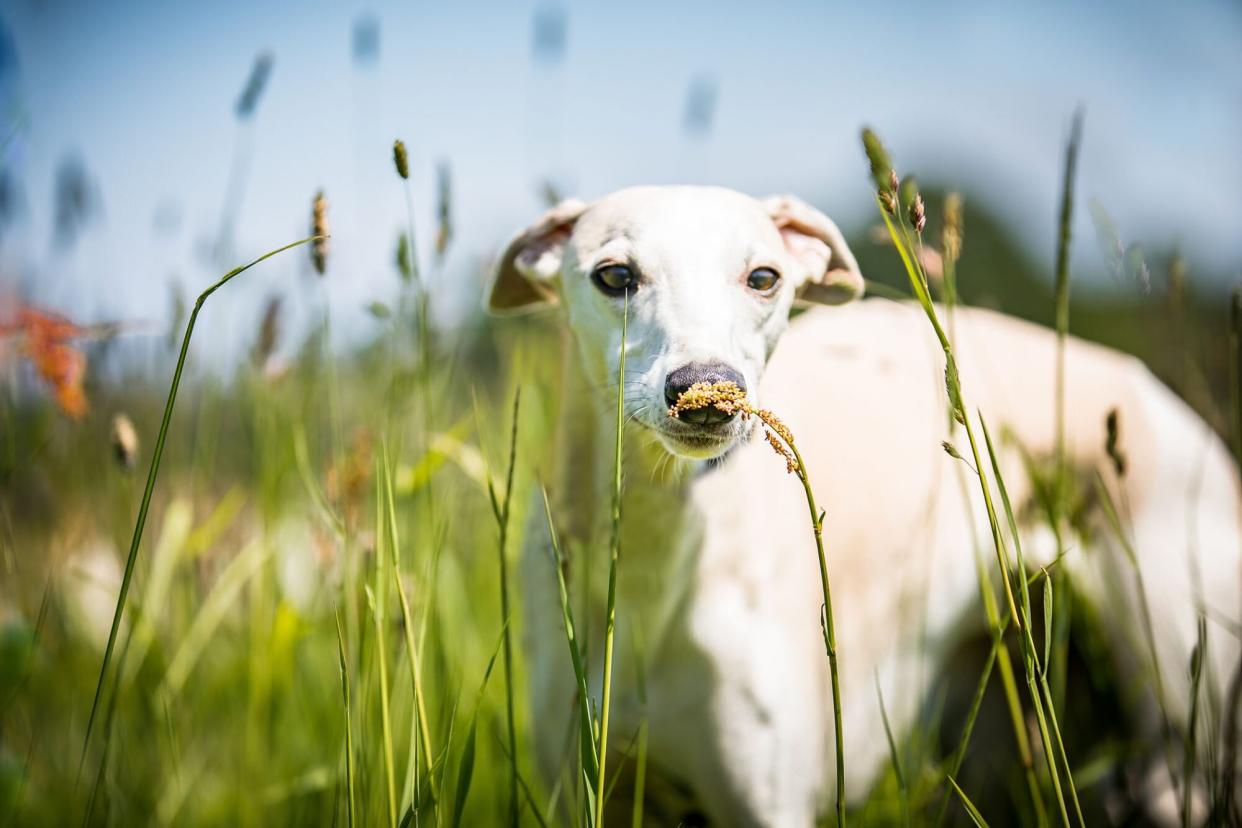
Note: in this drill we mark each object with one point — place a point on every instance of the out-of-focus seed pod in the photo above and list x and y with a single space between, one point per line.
401 159
124 441
319 228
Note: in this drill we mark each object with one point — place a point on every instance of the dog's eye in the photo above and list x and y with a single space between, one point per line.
614 279
763 280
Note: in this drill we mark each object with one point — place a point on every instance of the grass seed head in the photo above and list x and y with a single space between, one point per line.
950 450
252 92
878 158
404 267
954 227
401 159
319 227
269 333
918 214
791 465
725 396
444 208
888 201
124 441
731 399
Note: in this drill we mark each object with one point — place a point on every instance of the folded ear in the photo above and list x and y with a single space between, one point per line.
830 273
527 271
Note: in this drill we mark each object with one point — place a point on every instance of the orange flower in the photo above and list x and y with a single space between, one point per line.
46 343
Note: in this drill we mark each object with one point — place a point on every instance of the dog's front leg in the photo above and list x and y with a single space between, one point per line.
760 717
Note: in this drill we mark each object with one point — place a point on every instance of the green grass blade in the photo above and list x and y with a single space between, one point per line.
613 563
1197 657
465 772
422 727
587 754
893 755
1109 508
959 754
1062 295
1047 624
465 765
1041 697
209 617
350 785
156 456
526 791
971 810
504 608
640 777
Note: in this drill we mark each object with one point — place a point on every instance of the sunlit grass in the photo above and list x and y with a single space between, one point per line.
253 668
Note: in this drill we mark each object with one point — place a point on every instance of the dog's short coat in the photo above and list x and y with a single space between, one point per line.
719 646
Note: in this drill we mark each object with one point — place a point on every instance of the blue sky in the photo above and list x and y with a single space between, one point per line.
976 94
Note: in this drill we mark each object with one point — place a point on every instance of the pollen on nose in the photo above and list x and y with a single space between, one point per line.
680 381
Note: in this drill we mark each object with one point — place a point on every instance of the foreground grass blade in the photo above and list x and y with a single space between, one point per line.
590 761
1062 296
894 756
377 599
613 561
1197 657
1036 676
420 704
349 726
971 810
465 767
503 519
156 456
1109 507
905 240
526 791
640 777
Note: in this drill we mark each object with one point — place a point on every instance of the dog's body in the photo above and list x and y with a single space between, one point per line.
719 646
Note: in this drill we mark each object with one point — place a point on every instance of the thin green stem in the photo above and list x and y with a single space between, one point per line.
640 777
1197 658
504 609
613 562
904 243
349 727
156 456
379 613
1062 292
1031 661
829 627
590 762
416 679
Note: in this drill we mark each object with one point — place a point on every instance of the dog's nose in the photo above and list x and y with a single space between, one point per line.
679 381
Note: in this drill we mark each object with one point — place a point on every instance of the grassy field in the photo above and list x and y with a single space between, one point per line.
316 629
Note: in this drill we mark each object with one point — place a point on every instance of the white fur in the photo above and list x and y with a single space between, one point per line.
719 597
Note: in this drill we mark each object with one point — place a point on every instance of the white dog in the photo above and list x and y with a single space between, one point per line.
719 645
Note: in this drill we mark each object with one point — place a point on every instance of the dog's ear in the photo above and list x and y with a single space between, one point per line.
530 263
831 275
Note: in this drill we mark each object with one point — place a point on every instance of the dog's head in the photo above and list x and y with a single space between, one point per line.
708 275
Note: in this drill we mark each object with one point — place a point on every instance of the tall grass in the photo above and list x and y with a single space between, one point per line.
502 520
156 456
614 561
239 692
903 218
